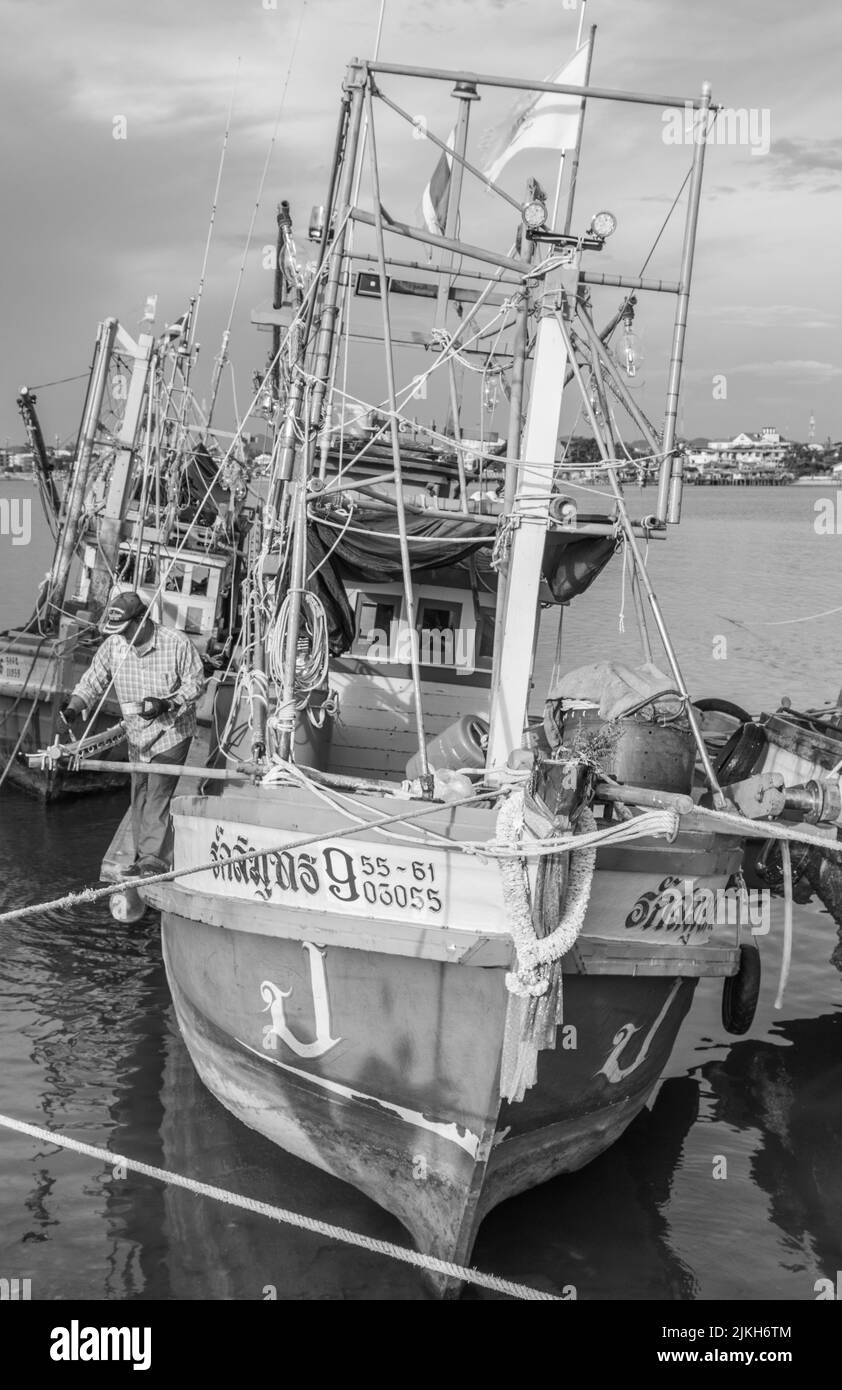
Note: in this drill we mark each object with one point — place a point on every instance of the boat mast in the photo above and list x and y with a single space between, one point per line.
112 521
520 614
294 460
43 472
577 148
671 481
75 496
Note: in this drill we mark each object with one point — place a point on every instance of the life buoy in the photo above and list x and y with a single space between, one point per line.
741 992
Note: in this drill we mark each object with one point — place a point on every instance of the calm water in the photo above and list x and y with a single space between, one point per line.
89 1047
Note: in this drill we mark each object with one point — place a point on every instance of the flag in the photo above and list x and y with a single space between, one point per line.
541 121
435 195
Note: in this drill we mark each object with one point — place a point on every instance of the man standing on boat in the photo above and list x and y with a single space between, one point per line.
157 676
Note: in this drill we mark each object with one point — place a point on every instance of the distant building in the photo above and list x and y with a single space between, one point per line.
745 453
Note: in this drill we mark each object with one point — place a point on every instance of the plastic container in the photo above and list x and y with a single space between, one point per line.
462 744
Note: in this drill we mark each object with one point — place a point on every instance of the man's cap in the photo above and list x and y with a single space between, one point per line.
122 609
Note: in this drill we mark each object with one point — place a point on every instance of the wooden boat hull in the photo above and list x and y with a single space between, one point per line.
36 676
378 1046
405 1103
54 783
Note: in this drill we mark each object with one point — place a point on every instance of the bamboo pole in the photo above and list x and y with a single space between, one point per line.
219 774
406 565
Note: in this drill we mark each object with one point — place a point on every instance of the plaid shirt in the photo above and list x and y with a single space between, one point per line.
167 666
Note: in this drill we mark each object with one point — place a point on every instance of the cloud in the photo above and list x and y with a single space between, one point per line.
777 316
806 161
792 370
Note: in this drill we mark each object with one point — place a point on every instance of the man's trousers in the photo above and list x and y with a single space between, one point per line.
151 797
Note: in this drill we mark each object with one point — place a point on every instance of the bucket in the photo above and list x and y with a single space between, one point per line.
639 752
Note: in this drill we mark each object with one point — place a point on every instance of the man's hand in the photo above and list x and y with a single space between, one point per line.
151 707
69 714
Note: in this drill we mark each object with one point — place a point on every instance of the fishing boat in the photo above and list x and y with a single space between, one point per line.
137 505
427 928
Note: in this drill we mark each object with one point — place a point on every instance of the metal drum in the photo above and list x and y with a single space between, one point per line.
639 752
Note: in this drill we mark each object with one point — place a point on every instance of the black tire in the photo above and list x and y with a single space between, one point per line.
741 753
741 992
717 706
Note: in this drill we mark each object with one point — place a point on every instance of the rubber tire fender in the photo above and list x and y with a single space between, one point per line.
741 992
741 753
717 706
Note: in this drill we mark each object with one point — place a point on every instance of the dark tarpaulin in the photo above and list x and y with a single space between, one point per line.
376 557
572 563
328 587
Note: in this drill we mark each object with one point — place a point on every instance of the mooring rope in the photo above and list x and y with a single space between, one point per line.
664 822
92 895
431 1263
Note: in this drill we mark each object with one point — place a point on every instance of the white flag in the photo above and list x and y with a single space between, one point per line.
542 121
436 195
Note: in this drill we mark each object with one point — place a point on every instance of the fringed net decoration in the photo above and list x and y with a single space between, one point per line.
542 933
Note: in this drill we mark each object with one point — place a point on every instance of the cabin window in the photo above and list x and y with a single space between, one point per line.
174 578
193 621
376 615
199 580
485 636
436 616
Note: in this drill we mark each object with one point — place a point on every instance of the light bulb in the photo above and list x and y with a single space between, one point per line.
632 353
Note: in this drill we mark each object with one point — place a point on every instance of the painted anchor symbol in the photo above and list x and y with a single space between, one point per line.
274 997
612 1069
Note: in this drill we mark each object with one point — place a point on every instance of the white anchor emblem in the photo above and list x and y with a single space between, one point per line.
279 1028
612 1069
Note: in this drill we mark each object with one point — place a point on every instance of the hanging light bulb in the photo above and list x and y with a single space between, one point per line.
631 351
491 390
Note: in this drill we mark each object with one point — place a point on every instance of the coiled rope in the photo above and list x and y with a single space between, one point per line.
431 1263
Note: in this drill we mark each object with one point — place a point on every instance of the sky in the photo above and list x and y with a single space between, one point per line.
92 225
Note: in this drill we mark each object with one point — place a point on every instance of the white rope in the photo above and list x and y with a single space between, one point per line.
91 895
534 953
312 667
288 1218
